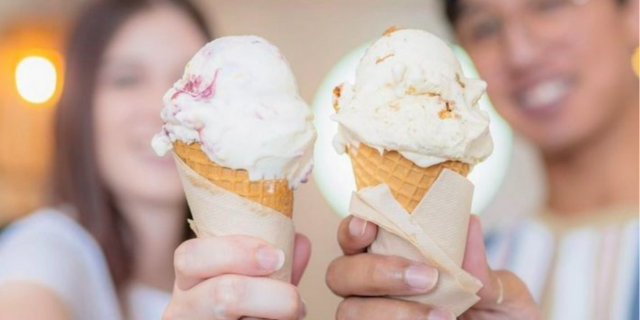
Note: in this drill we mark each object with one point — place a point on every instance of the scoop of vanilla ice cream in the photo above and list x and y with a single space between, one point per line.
239 99
410 95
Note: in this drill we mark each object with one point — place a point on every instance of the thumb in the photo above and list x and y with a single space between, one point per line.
475 258
502 291
475 262
301 255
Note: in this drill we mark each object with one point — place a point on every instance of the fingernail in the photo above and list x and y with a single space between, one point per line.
270 259
440 315
357 227
421 277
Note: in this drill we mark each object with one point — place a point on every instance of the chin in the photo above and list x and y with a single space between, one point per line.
554 146
160 186
163 196
562 136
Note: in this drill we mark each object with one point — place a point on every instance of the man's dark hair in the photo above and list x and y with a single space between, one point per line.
452 9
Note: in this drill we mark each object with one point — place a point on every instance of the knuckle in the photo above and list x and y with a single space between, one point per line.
293 309
172 313
227 293
332 276
181 307
376 275
384 274
169 315
347 310
395 263
392 268
245 242
181 259
412 313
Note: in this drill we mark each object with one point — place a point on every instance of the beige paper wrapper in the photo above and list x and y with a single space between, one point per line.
435 233
218 212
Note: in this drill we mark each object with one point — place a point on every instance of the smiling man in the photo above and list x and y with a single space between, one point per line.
559 72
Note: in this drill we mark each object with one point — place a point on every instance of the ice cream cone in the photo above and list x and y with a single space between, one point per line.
274 194
408 182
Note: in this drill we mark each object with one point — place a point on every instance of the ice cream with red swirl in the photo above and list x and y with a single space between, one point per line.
238 99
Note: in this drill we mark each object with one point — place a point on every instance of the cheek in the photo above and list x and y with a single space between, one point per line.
500 98
110 119
113 156
605 79
491 70
499 90
126 161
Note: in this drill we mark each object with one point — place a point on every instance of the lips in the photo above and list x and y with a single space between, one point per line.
158 162
544 97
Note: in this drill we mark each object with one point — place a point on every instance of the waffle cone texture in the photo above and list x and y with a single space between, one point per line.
274 194
408 182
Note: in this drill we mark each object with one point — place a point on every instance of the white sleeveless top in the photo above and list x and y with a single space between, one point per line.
50 249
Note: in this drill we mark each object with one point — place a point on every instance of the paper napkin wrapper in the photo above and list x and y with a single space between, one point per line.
435 234
218 212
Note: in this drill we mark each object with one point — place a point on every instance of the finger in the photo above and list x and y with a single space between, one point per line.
357 308
377 275
475 262
301 255
233 296
199 259
502 290
475 258
507 294
355 235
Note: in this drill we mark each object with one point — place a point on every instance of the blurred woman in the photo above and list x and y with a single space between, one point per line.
104 249
559 71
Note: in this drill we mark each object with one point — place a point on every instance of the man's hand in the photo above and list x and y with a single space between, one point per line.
366 280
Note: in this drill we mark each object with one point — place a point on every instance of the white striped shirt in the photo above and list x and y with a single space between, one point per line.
575 267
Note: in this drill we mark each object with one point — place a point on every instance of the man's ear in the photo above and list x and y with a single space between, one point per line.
630 9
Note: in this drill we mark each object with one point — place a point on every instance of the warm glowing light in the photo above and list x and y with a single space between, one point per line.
36 79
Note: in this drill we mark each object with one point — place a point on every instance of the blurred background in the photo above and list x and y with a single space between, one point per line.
322 40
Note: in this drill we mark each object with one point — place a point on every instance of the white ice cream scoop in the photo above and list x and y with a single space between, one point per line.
239 100
410 95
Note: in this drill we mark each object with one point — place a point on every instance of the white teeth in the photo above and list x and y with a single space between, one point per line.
544 94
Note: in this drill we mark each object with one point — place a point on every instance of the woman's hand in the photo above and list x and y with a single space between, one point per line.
364 279
223 278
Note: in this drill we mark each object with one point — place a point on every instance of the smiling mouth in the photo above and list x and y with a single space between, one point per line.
544 97
166 161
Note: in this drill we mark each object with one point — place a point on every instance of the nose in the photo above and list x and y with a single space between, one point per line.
521 49
149 106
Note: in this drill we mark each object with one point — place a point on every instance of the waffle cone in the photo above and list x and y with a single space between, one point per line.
408 182
274 194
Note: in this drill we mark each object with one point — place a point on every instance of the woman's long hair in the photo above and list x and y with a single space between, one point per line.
76 180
